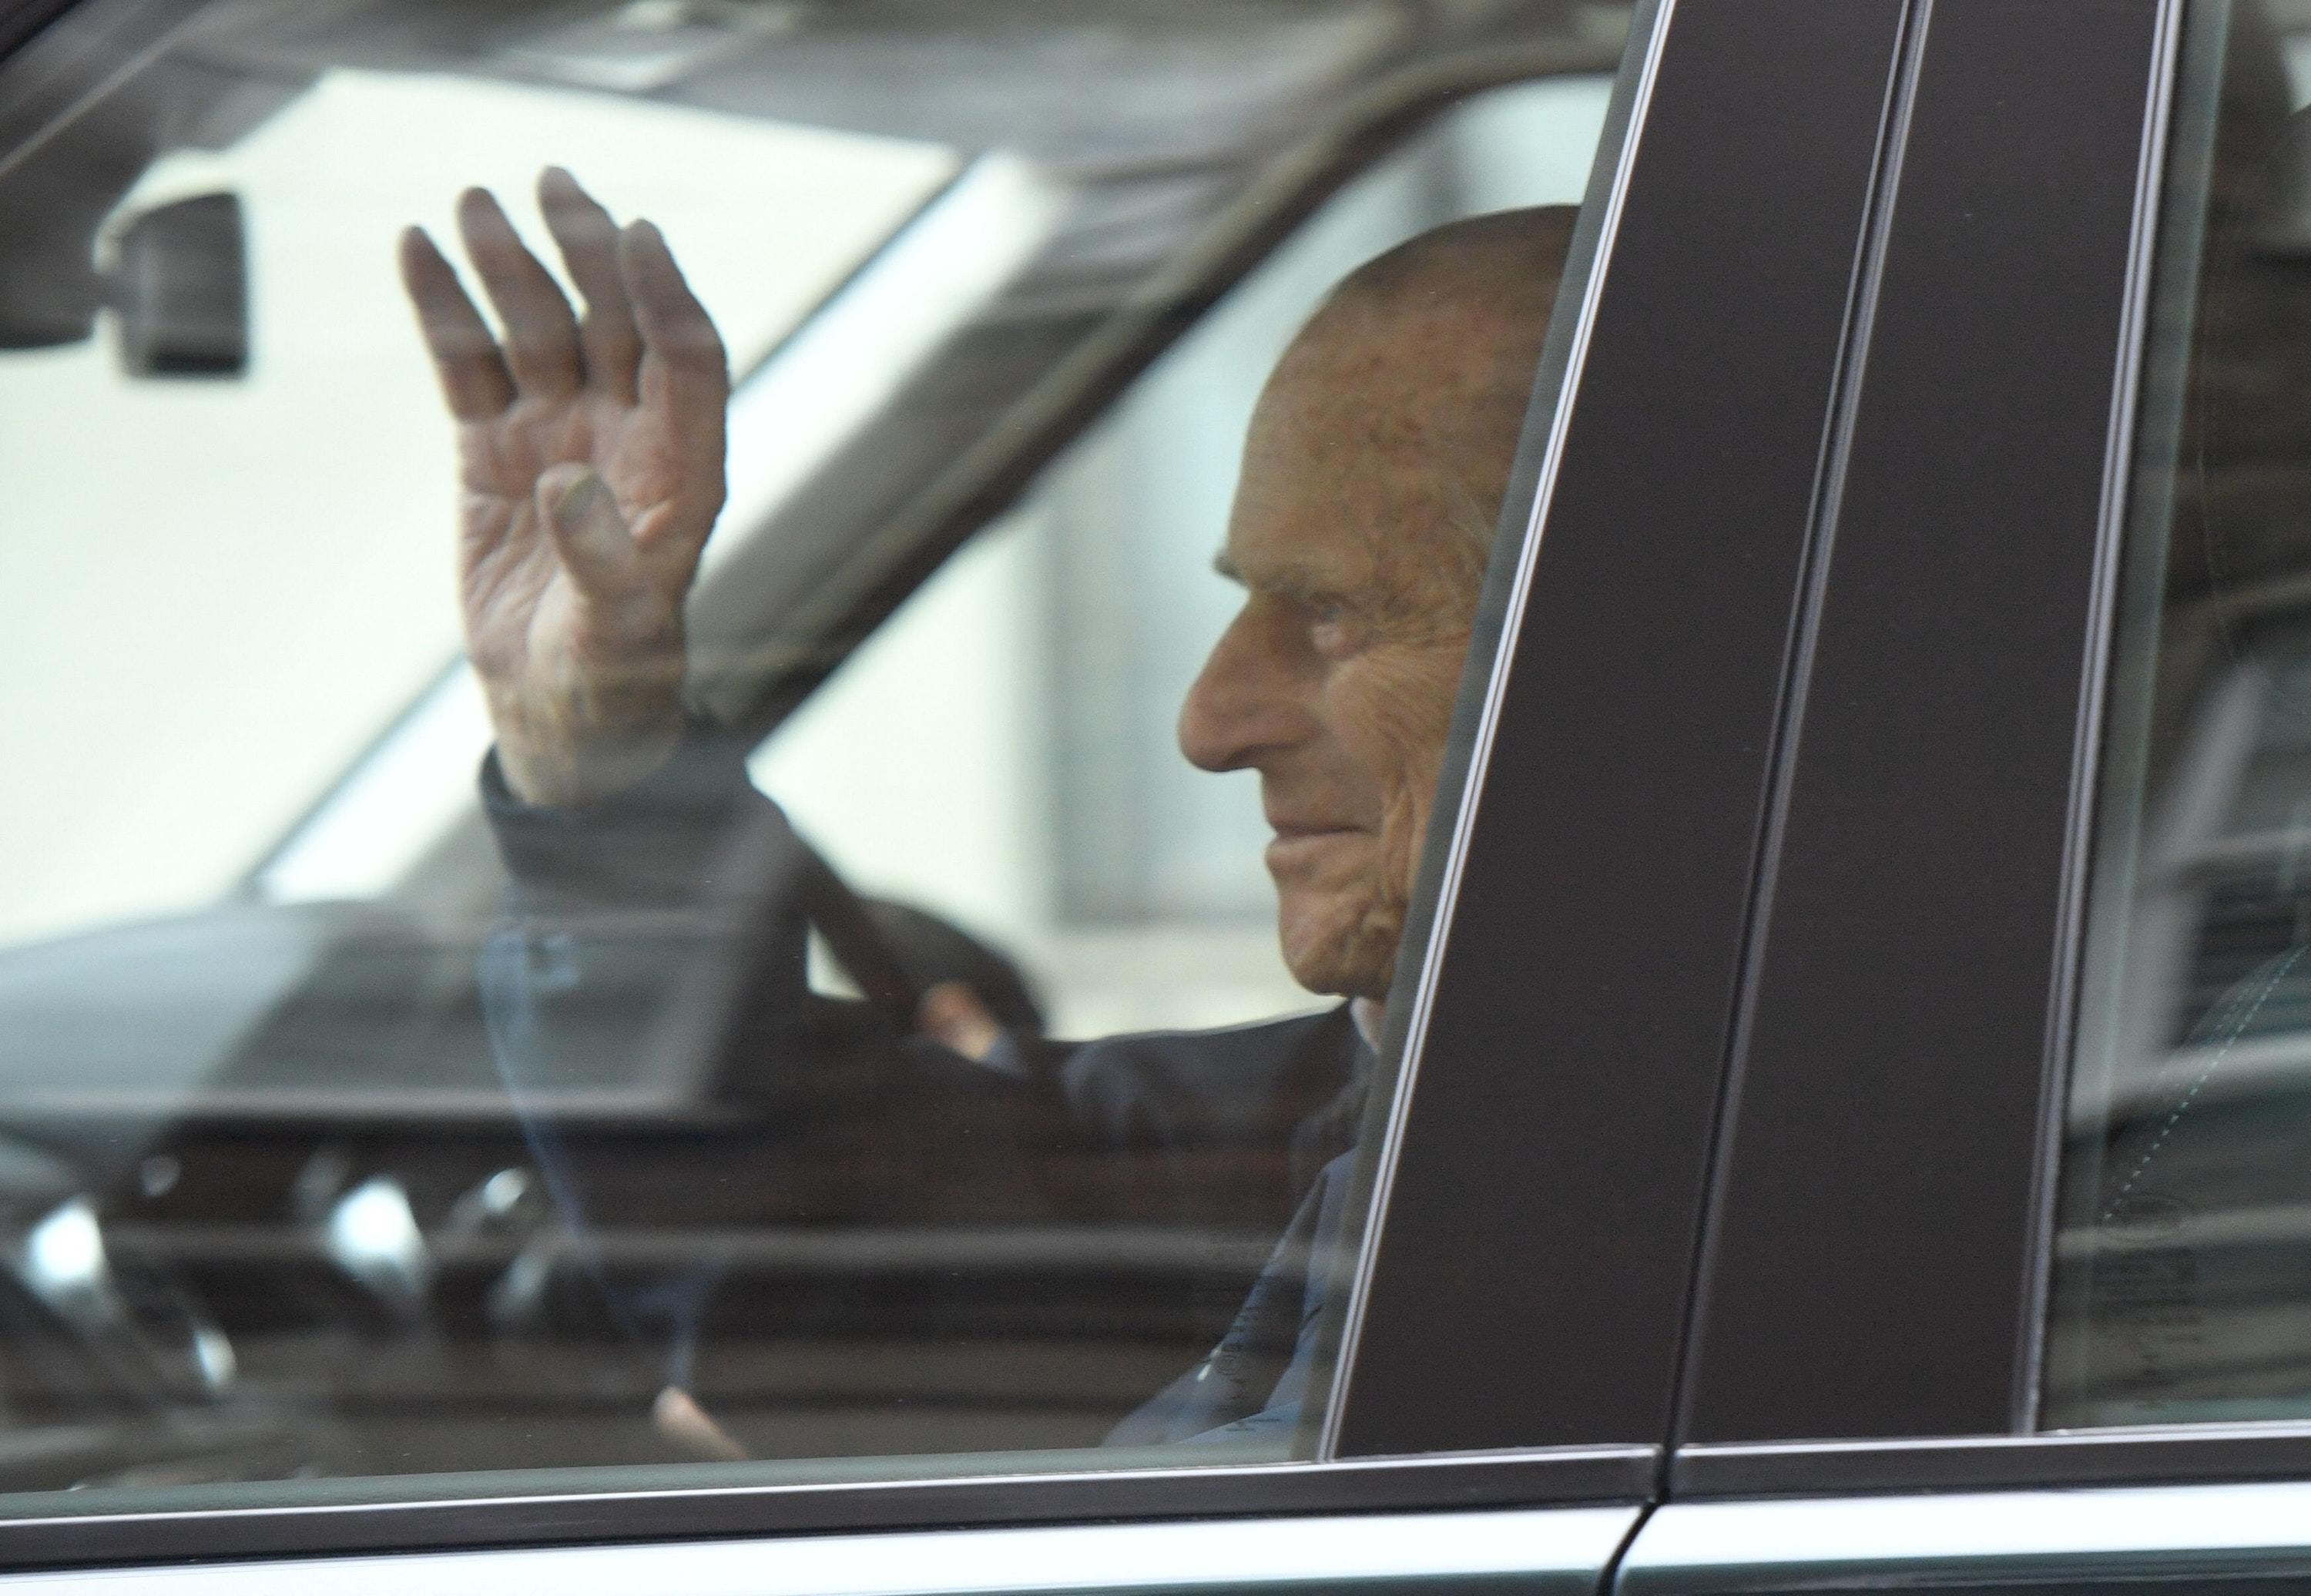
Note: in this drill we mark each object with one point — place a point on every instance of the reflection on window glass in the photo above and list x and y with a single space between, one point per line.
761 836
2182 1277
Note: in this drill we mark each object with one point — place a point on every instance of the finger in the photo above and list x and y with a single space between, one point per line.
581 517
475 381
588 240
541 334
683 366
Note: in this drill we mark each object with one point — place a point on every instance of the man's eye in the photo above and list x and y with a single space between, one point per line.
1332 627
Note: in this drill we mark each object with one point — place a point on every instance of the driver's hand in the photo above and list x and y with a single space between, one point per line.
676 1415
590 454
951 1013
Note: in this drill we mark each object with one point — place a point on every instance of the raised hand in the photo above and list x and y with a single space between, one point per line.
589 456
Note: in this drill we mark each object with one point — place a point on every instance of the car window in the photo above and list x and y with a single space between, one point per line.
2178 1291
728 720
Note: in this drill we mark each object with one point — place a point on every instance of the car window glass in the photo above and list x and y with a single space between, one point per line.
748 802
2178 1294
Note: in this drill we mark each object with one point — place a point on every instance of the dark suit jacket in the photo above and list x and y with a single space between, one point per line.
666 925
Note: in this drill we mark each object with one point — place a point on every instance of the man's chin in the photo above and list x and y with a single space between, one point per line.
1338 950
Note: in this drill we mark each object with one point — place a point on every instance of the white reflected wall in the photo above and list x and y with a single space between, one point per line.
217 594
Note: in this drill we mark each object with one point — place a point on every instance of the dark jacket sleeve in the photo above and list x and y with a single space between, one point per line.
1203 1128
652 929
658 939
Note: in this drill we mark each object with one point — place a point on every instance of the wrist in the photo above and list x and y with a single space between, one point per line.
560 768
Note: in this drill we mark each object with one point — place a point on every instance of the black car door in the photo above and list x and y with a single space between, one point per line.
2002 1279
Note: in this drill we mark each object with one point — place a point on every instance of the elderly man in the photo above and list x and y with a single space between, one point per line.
591 460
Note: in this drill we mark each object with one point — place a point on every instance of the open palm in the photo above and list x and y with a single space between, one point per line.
590 465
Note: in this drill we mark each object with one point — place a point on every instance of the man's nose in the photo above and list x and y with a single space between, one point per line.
1245 701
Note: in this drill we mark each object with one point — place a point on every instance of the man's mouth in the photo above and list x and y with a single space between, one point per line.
1297 843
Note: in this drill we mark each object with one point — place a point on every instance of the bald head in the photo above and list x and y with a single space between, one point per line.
1372 481
1426 354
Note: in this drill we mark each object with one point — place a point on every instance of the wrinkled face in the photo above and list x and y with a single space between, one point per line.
1367 467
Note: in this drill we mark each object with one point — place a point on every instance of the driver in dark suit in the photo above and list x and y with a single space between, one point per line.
591 461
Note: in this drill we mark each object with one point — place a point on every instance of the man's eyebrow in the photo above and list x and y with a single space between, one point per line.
1225 565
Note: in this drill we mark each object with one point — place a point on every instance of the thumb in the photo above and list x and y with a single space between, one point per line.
587 532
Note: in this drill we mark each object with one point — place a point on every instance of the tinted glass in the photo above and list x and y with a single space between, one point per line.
2181 1290
839 1021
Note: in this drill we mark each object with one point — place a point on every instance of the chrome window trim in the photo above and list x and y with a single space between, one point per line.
2076 1458
1551 1552
1815 1542
327 1517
